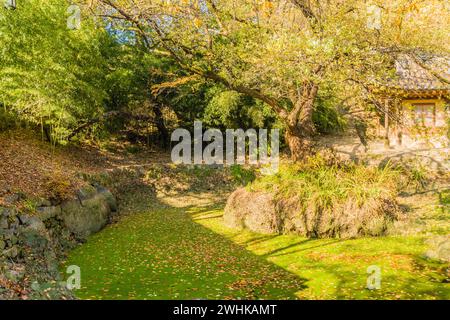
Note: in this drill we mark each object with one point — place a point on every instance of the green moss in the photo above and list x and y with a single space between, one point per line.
163 254
172 253
337 269
444 199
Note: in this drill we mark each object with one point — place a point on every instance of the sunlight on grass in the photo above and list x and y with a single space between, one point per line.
163 254
174 253
336 269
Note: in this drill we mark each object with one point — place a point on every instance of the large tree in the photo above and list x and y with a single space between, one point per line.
283 51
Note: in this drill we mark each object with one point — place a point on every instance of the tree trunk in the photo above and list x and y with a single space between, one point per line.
300 125
299 144
159 121
305 120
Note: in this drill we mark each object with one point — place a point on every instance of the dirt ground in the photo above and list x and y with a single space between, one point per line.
350 147
30 165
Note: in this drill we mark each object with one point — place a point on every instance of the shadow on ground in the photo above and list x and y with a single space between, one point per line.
159 252
176 247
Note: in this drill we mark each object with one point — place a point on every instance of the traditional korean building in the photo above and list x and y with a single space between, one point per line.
416 103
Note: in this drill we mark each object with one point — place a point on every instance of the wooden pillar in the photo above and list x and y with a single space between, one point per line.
400 137
386 123
399 112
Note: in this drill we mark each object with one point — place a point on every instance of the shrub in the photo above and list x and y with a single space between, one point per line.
413 175
242 175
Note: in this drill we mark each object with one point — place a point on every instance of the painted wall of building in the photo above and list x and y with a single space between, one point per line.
425 124
436 115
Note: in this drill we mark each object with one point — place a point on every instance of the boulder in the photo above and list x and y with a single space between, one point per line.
263 213
109 198
41 202
86 217
31 220
13 198
33 223
90 212
33 232
86 193
439 248
49 212
255 211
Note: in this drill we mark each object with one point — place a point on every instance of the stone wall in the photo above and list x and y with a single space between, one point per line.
33 242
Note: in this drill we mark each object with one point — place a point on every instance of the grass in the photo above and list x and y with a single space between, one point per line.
326 185
163 252
337 269
444 199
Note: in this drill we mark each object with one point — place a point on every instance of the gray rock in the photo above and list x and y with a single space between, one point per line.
34 223
4 222
14 222
46 213
109 197
439 248
13 198
87 218
7 212
6 234
23 218
41 202
34 239
86 193
29 220
33 232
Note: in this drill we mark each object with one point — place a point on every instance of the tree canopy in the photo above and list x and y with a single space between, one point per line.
283 52
285 63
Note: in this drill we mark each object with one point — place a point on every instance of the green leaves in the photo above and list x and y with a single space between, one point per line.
50 73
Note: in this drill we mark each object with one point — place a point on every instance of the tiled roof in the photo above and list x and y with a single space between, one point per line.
424 72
